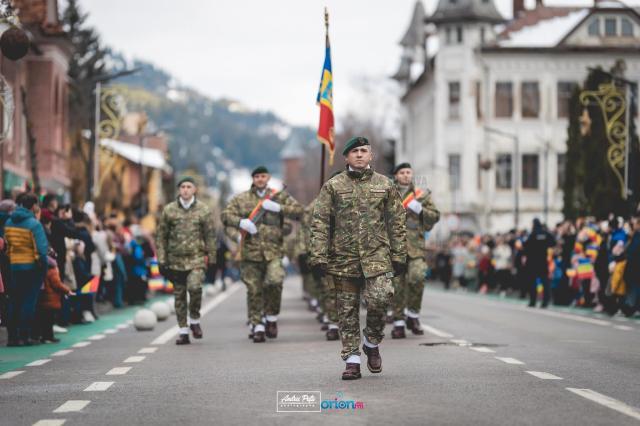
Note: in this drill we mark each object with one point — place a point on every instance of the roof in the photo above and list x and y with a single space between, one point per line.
541 28
292 149
465 10
415 33
148 157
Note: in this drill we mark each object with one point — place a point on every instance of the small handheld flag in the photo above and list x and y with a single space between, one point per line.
91 286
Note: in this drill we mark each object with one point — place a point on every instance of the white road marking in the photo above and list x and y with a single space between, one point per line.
461 342
129 322
81 344
436 332
483 350
136 358
510 360
570 316
608 402
147 350
62 352
11 374
118 371
50 422
122 326
97 337
38 362
72 406
544 376
621 319
173 331
111 331
99 386
623 327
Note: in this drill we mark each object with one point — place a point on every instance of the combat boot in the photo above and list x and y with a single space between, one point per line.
413 324
398 332
374 360
352 372
258 337
272 329
332 334
196 330
183 339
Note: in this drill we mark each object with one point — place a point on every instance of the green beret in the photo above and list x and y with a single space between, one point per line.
354 143
184 179
258 170
401 166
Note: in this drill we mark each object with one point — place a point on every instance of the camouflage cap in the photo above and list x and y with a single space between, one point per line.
354 143
184 179
258 170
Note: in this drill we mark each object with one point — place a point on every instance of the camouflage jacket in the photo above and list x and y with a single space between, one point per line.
186 236
417 224
304 234
369 231
267 244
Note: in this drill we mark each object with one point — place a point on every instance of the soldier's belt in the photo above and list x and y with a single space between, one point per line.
348 285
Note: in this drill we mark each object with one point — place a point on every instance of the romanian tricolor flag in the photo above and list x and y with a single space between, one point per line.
326 128
91 286
413 195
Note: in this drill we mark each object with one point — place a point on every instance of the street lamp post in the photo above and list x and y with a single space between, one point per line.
516 170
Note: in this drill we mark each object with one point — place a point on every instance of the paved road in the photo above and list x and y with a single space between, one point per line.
483 361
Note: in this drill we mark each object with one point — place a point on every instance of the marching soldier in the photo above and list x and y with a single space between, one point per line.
259 214
422 215
186 242
369 245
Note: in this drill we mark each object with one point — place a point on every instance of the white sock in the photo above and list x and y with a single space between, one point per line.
194 321
184 330
314 302
271 318
412 314
369 344
258 328
399 323
333 327
353 359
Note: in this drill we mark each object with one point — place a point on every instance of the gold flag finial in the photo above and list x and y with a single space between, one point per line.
326 18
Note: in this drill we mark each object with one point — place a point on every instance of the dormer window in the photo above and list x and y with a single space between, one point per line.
626 27
594 27
610 27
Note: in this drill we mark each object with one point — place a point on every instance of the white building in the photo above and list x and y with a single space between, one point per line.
470 74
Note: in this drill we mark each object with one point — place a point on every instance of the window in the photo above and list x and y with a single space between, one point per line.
503 171
565 91
482 35
459 34
594 27
448 35
478 100
530 171
610 27
530 94
454 100
562 169
454 172
479 174
627 27
504 99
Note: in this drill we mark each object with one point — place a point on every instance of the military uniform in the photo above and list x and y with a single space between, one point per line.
409 286
368 235
261 266
185 240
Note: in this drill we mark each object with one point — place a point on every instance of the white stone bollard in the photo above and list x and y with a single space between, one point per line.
161 309
145 320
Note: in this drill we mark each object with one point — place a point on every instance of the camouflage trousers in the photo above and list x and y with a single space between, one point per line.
377 293
264 287
328 299
187 282
310 285
409 288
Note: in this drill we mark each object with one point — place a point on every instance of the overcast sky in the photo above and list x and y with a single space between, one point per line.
266 54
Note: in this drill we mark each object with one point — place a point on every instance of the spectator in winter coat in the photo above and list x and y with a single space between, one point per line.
537 266
50 301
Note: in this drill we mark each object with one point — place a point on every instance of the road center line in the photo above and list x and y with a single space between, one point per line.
99 386
608 402
72 406
483 350
544 376
173 331
118 371
147 350
436 332
38 362
11 374
50 422
137 358
510 360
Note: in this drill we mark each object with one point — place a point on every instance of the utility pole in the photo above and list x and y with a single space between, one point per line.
516 170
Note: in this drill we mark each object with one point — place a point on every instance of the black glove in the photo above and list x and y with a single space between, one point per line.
319 270
164 271
399 268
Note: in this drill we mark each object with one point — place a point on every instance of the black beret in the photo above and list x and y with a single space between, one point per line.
401 166
354 143
184 179
258 170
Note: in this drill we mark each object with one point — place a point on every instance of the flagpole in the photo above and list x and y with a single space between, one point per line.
323 152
